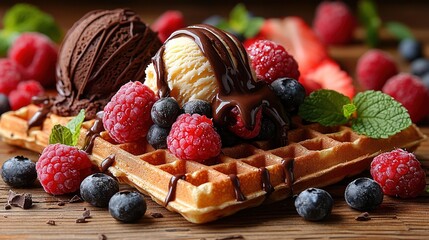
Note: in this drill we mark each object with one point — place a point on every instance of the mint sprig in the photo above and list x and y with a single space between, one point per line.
69 134
371 113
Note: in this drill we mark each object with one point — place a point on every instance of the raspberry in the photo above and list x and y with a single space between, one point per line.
411 92
167 23
374 68
127 115
192 137
10 75
37 54
240 129
399 173
23 94
62 168
271 61
334 23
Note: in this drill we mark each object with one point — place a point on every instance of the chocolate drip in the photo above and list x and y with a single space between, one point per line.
93 133
236 184
237 87
107 162
171 195
288 169
266 183
37 119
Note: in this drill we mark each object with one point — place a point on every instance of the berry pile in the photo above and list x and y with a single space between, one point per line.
29 68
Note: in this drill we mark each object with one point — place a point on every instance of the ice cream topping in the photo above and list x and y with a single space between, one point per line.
235 82
101 52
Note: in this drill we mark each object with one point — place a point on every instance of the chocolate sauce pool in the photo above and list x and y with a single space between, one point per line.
237 87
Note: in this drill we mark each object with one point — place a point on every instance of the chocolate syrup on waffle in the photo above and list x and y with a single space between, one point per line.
288 170
171 195
237 86
93 132
37 119
236 184
107 162
266 183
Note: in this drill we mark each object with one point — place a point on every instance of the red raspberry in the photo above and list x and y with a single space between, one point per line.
411 92
192 137
271 61
399 174
10 75
334 23
374 68
127 115
23 94
167 23
240 129
37 54
62 168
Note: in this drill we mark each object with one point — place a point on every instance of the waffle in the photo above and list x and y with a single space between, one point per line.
244 176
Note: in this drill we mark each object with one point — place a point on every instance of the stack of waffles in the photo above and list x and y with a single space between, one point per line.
245 175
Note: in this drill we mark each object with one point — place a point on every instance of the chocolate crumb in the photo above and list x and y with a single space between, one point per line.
102 237
231 237
86 214
81 220
75 199
23 201
50 222
61 203
156 215
7 206
363 217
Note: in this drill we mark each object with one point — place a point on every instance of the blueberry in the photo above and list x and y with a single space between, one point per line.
198 106
157 136
420 67
4 104
165 111
410 49
19 172
290 92
127 206
98 188
363 194
268 129
425 79
314 204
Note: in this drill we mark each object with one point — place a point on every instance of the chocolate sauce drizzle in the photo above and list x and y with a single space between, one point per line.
266 183
288 170
236 184
37 119
107 162
237 87
93 133
171 195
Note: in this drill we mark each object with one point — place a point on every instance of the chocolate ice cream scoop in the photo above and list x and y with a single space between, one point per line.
101 52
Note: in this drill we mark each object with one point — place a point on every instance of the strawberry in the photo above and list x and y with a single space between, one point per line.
328 75
167 23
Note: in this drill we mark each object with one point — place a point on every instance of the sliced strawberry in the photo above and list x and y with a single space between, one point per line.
330 76
167 23
298 39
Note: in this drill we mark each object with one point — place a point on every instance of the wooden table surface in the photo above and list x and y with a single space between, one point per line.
396 218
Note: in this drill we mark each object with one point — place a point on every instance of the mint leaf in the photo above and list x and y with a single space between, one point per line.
379 115
325 107
348 110
370 20
75 124
253 27
399 30
239 18
61 134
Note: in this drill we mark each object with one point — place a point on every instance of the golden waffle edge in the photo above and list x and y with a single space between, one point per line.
246 175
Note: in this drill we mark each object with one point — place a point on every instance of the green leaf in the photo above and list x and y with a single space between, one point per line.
348 110
239 18
253 27
370 20
6 40
379 115
325 107
61 134
399 30
74 125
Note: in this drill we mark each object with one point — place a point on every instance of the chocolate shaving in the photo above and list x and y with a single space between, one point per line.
231 237
363 217
23 201
102 237
75 199
156 215
7 206
86 214
61 203
50 222
81 220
